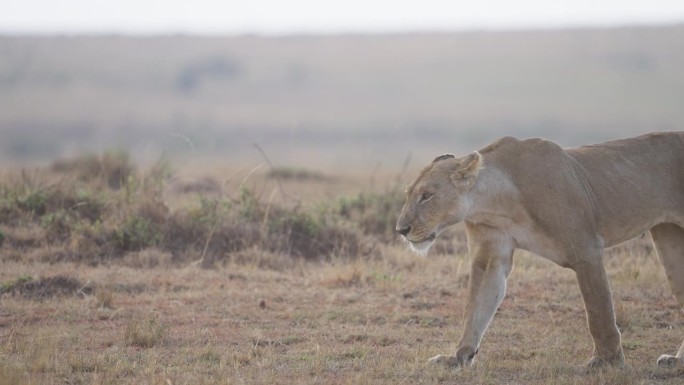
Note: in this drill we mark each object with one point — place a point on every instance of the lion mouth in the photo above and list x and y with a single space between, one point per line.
430 238
422 246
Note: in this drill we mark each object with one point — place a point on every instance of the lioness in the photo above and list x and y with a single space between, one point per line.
565 205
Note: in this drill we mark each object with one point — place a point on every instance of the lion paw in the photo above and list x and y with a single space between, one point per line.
667 361
448 361
464 356
601 362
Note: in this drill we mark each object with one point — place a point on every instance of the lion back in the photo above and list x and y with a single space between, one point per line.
636 183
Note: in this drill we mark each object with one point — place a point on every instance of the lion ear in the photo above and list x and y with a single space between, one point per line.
443 157
468 169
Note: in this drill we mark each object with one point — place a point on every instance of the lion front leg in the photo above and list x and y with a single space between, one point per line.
593 283
492 263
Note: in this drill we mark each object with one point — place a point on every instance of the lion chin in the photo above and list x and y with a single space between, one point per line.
422 247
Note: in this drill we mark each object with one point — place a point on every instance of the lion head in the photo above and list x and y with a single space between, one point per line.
440 197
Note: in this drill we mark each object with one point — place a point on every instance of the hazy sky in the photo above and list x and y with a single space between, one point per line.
315 16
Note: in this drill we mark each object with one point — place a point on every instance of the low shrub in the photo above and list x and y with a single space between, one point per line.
84 216
375 213
113 168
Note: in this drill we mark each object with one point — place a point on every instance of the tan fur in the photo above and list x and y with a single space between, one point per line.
565 205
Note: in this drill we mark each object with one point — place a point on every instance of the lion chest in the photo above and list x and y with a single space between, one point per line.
525 236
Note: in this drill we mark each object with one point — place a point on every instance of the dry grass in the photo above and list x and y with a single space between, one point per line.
144 332
262 315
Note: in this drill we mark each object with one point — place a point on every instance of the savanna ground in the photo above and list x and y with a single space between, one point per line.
113 275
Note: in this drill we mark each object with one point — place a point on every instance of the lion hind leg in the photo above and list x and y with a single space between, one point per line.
669 243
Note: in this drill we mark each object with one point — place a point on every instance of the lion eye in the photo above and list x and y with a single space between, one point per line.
425 197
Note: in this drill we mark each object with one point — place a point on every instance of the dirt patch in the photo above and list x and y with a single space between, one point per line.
48 287
135 288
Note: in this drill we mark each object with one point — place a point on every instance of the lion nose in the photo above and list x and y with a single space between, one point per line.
404 231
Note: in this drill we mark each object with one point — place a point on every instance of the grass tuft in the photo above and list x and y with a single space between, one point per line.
144 332
104 298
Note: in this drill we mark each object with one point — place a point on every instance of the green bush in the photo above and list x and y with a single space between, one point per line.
137 233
